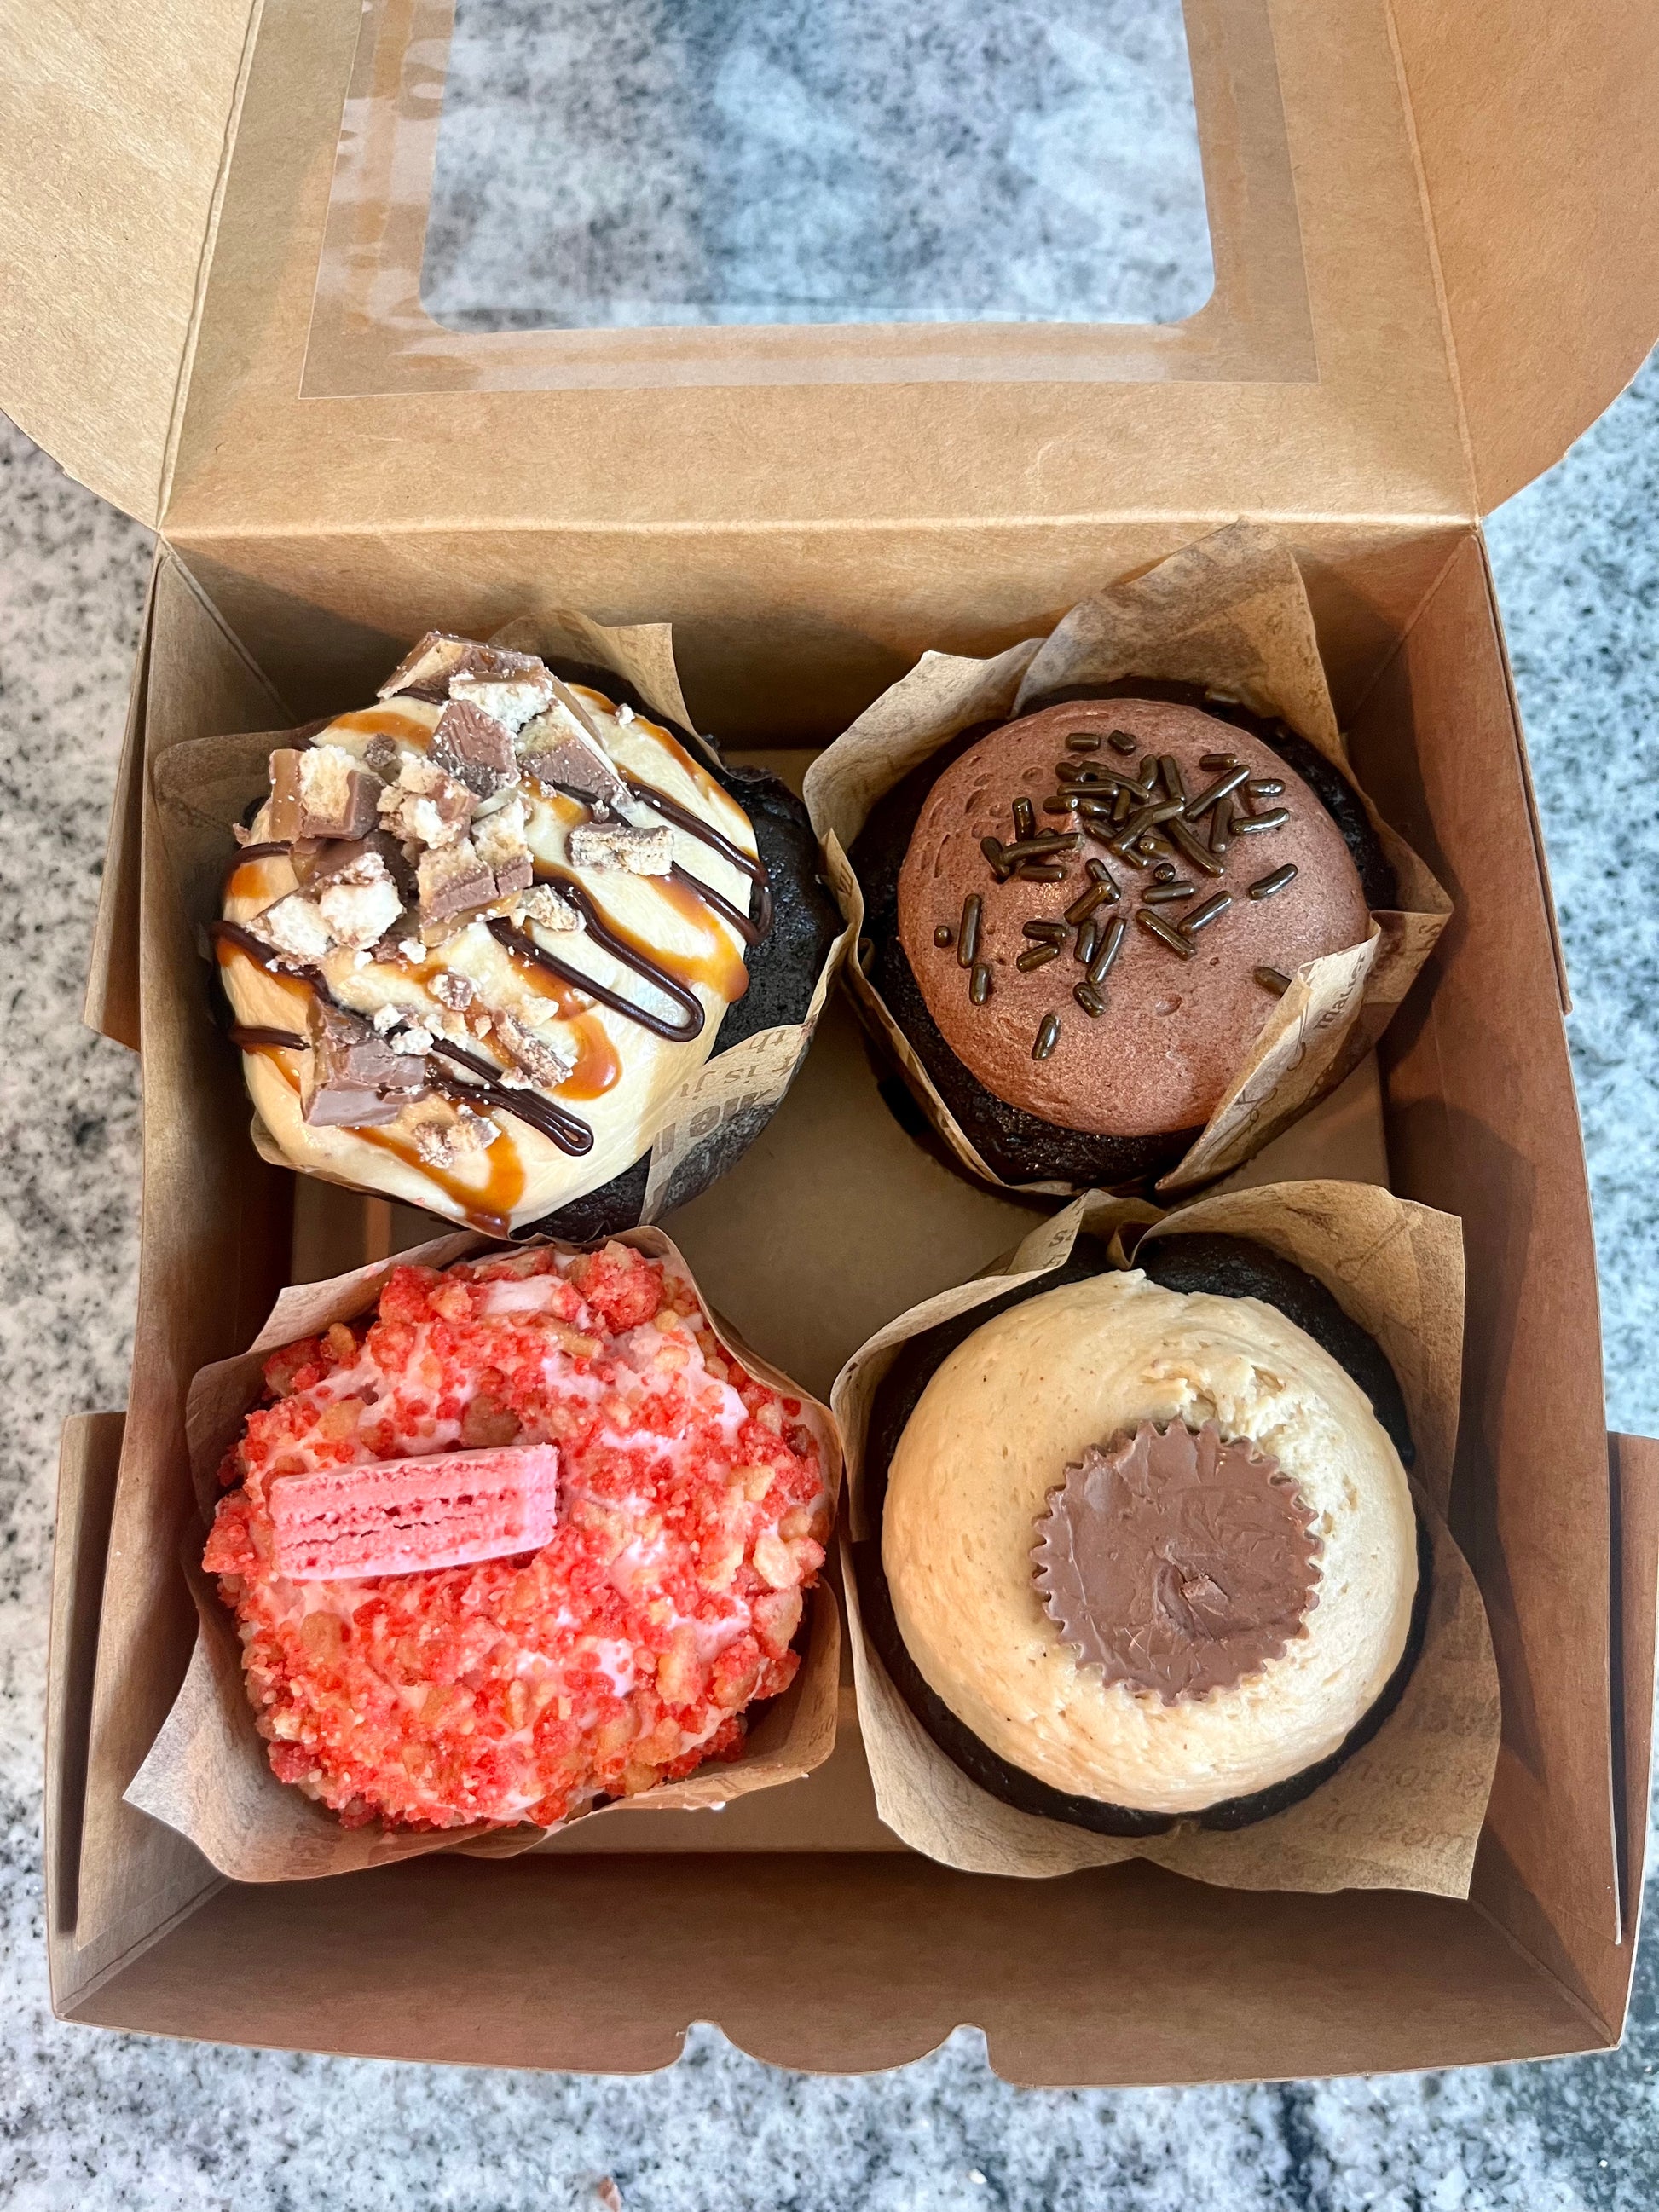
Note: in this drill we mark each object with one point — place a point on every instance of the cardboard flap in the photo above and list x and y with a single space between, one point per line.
1538 132
117 118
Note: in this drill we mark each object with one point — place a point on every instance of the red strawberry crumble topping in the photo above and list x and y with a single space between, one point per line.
692 1514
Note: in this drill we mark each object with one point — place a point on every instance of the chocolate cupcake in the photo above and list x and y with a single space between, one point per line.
1079 919
1142 1546
479 934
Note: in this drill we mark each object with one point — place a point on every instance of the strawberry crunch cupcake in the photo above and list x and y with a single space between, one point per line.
524 1537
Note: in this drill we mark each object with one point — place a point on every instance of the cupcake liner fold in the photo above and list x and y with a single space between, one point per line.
203 785
207 1774
1230 612
1404 1810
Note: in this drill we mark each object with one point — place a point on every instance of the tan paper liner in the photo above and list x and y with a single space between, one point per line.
207 1774
1405 1811
204 784
1230 612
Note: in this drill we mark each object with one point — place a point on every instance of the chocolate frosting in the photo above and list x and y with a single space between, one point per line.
1178 1561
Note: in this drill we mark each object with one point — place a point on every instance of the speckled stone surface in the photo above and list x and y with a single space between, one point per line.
817 162
89 2122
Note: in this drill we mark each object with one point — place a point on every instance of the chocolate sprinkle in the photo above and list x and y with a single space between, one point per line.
1273 979
1098 893
1089 1000
1222 787
1111 945
1211 910
1038 957
1120 741
1024 818
1083 741
944 934
1192 848
1047 933
1030 872
1245 824
1218 760
1048 1036
1088 943
1168 894
1266 886
1264 787
1160 929
1101 874
968 935
978 984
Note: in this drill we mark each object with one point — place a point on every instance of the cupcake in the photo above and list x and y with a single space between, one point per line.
523 1538
1142 1546
1081 919
477 936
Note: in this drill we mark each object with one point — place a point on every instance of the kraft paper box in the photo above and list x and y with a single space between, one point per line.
1436 260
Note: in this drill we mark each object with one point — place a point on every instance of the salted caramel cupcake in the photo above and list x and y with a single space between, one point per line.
1145 1550
480 933
1080 919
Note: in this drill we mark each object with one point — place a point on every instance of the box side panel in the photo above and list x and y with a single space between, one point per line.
213 1252
111 1004
781 636
846 1964
104 254
1538 128
1482 1121
181 1877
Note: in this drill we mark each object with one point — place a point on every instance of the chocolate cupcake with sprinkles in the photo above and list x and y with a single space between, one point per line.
1080 918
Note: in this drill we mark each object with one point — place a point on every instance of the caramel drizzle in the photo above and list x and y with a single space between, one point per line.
261 1040
569 1134
525 947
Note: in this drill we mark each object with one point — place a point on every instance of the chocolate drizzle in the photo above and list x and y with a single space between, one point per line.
565 1130
759 918
525 947
1177 1561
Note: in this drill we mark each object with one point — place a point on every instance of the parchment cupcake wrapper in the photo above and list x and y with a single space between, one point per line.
204 785
1230 612
1404 1810
207 1773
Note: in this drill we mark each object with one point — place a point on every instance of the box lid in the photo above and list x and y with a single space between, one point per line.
116 119
1436 263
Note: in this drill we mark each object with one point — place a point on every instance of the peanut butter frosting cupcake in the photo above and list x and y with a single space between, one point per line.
1146 1549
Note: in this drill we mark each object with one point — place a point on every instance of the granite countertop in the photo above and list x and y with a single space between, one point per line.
90 2121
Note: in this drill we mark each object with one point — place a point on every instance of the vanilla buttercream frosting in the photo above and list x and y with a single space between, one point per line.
477 985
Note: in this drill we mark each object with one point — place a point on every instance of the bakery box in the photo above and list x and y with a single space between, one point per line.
1434 265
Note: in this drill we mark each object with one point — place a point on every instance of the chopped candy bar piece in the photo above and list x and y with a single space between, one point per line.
445 1134
607 845
556 750
499 841
361 903
549 911
451 990
475 748
511 696
325 792
452 881
294 925
354 1078
426 668
425 806
406 1516
548 1060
